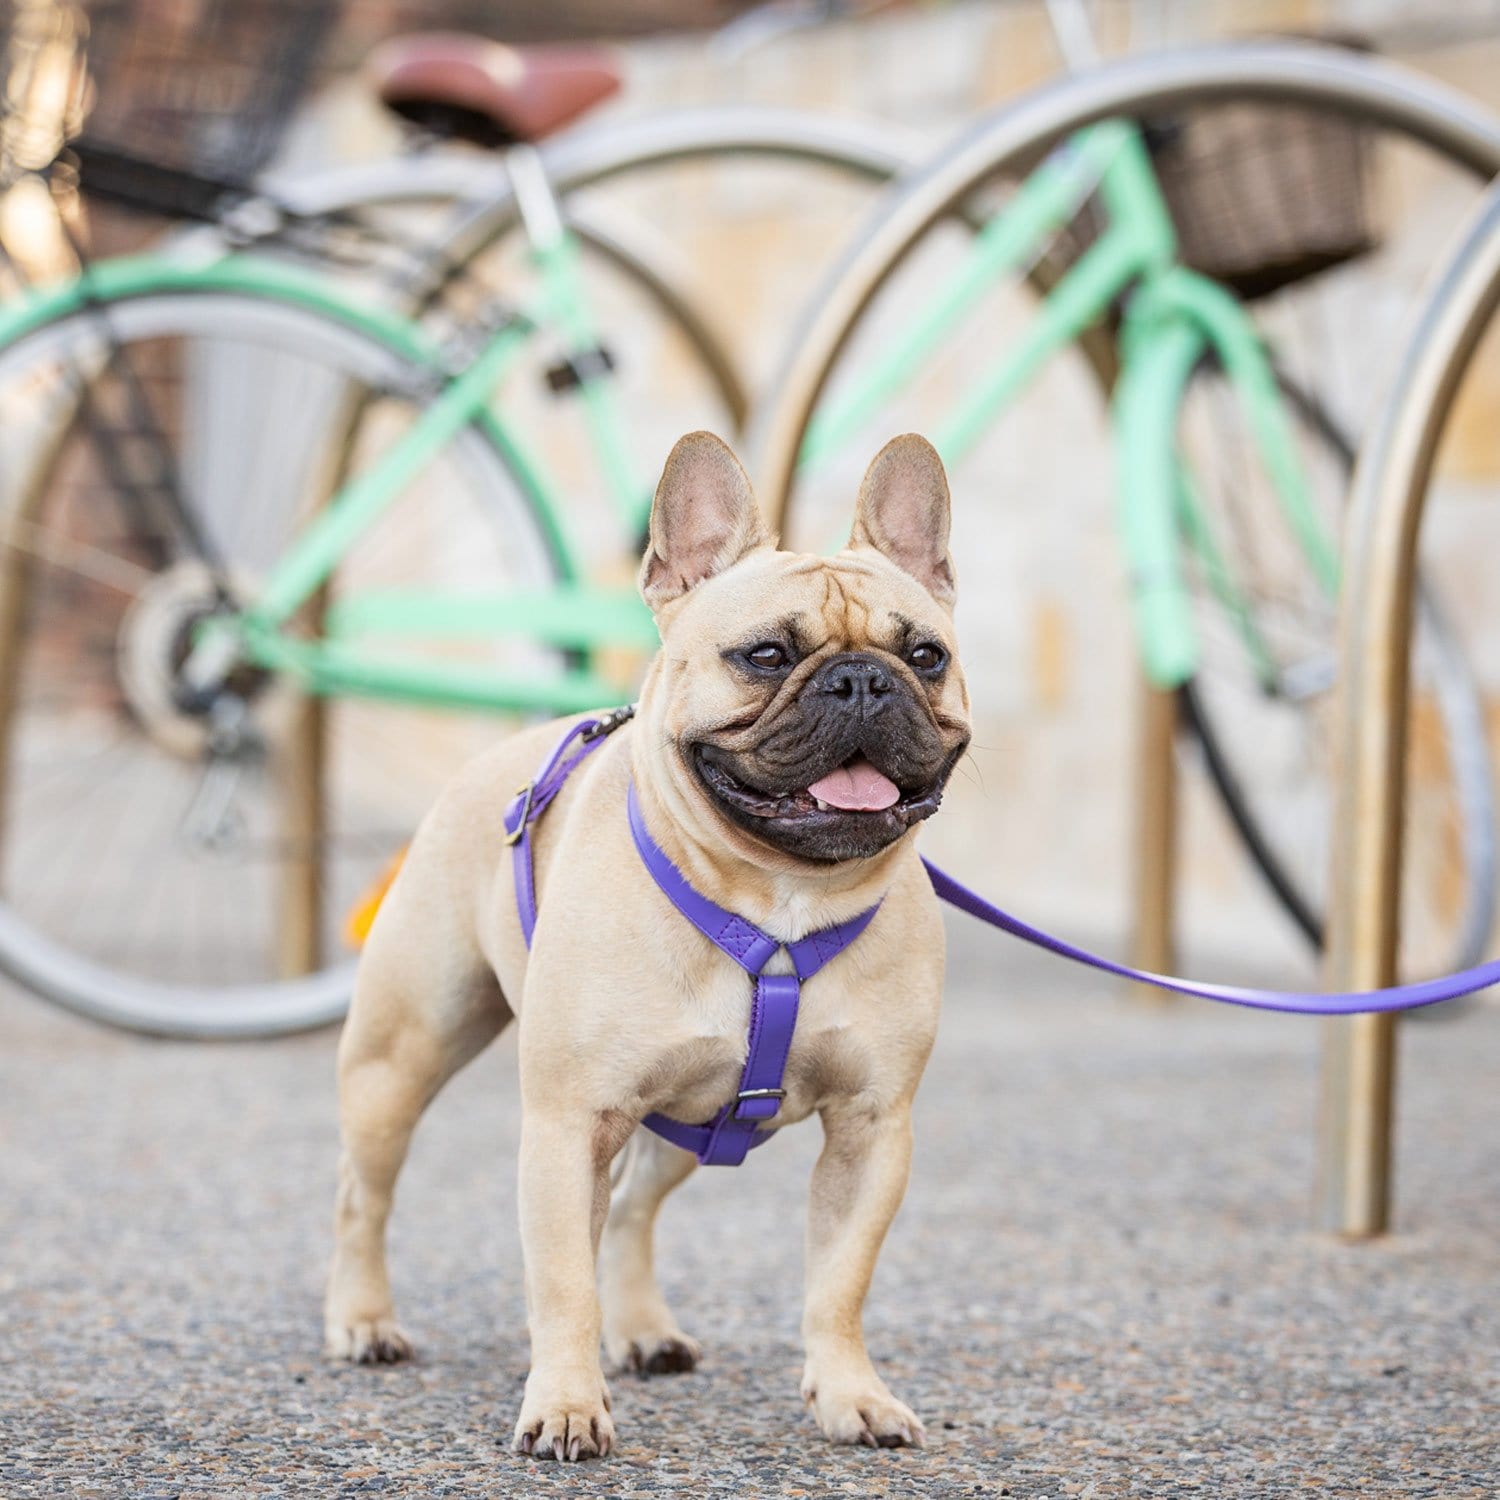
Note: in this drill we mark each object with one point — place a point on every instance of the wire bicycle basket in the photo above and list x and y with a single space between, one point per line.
187 98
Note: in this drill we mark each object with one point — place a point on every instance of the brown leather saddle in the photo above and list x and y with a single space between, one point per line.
487 92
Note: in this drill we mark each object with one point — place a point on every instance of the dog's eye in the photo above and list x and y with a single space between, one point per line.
927 657
767 657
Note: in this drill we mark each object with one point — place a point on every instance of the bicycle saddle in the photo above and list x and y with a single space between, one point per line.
486 92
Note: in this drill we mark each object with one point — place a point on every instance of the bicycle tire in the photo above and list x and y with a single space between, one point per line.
79 981
487 211
583 158
1012 138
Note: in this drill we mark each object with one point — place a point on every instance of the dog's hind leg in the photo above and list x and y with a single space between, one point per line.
640 1332
407 1034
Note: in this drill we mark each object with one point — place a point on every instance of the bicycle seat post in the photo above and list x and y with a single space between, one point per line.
536 202
1074 30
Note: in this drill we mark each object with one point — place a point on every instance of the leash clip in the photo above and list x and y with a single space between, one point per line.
525 793
609 723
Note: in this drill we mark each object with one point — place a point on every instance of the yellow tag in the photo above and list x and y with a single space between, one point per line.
361 916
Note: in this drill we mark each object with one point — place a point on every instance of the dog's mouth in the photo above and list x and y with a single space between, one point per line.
854 795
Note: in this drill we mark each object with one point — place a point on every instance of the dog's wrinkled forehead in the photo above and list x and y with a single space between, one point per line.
815 605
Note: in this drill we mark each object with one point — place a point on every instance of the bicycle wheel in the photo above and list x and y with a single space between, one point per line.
1413 118
1261 709
148 872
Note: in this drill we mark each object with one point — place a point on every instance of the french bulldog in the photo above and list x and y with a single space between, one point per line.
801 719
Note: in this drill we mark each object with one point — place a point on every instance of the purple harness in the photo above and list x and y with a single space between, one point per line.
724 1140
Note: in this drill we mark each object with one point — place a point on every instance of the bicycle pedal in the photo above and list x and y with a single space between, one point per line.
578 369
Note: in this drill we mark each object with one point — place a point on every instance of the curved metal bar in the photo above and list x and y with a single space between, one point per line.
1015 134
1389 494
1355 1139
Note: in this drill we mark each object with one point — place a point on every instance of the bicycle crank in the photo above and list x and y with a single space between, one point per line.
161 637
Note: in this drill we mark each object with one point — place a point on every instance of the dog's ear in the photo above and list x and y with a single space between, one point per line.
704 519
903 512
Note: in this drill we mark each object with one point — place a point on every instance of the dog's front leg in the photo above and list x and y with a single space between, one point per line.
640 1332
564 1195
857 1186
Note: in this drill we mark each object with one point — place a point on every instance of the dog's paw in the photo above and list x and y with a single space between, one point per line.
671 1353
369 1341
866 1414
568 1426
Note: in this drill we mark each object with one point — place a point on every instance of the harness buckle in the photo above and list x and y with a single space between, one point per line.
526 793
773 1097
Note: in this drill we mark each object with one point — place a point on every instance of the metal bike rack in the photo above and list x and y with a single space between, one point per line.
1389 496
1356 1120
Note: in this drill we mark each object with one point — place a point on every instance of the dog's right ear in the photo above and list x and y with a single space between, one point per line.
704 519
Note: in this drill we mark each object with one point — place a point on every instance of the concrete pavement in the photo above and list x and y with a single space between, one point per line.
1102 1282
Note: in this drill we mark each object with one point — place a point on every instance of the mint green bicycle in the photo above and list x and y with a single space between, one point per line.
209 663
1229 469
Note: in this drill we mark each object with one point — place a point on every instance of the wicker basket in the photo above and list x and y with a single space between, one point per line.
202 87
1261 195
1265 196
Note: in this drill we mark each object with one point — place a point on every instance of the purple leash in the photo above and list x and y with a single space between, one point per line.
724 1140
1357 1002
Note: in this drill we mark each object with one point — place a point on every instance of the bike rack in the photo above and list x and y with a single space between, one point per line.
1389 497
1354 1136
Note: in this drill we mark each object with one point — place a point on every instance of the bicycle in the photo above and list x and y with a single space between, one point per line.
1232 576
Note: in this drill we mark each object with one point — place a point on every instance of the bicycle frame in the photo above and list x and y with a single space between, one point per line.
577 618
1171 319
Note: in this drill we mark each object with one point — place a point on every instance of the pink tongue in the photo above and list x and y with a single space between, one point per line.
857 787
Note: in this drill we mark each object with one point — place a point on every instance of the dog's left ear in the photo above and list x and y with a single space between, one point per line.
903 512
704 519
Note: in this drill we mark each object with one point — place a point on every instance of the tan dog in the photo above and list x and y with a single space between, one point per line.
778 672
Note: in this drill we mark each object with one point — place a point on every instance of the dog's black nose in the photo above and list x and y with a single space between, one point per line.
861 681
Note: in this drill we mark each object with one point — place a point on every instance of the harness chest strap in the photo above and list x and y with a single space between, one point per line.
724 1140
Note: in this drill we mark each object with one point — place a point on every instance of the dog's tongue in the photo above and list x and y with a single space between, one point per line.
857 787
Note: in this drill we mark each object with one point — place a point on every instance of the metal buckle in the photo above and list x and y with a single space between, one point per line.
609 723
747 1096
527 791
